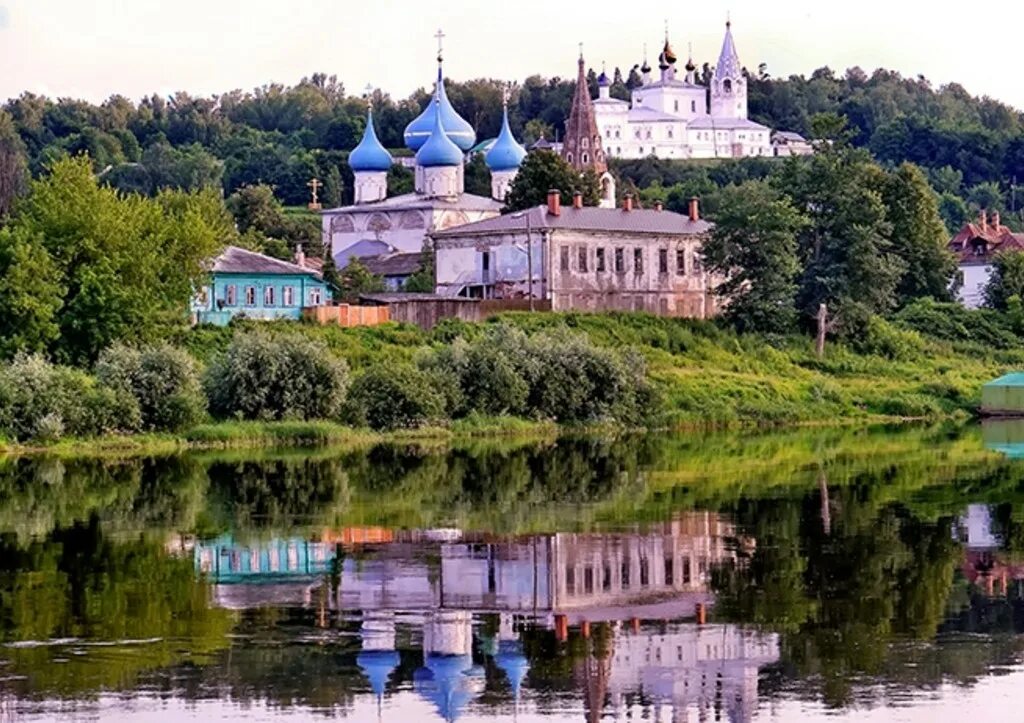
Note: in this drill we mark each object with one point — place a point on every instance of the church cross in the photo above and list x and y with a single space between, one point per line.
369 97
440 44
315 185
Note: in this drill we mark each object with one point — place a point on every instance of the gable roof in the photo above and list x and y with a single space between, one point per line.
235 260
583 219
398 264
995 236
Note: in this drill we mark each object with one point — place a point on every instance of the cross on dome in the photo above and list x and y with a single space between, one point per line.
440 45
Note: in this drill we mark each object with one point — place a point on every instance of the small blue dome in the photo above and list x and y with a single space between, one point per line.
377 666
506 154
439 150
459 131
370 155
603 80
510 658
448 681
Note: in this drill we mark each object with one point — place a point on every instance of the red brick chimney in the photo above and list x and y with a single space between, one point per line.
554 202
658 206
577 199
694 209
300 255
627 202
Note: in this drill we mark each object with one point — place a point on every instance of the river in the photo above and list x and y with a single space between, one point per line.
828 574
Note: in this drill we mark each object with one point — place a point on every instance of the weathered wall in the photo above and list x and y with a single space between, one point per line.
460 263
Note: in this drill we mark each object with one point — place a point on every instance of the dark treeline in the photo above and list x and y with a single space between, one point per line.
283 136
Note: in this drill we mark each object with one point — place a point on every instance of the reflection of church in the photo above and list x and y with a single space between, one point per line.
438 587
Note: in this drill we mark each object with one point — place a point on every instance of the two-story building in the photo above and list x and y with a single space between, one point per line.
247 284
583 258
975 246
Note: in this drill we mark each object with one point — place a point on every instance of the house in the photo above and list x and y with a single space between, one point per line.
787 143
975 246
592 259
394 268
254 286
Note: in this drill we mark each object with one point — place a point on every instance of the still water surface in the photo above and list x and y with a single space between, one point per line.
827 575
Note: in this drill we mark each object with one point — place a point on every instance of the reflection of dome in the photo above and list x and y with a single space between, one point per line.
506 154
369 155
439 150
377 666
449 682
459 131
510 659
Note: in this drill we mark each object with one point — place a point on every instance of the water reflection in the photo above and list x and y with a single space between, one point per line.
771 577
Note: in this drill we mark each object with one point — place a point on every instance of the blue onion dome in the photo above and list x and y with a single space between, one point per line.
506 154
459 131
603 80
439 150
377 666
370 155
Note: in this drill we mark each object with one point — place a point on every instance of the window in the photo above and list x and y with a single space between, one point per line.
617 135
608 133
670 133
696 265
641 150
606 579
570 580
565 258
568 158
588 580
250 296
649 134
289 296
693 106
204 296
681 261
669 571
645 573
638 134
268 296
662 261
585 158
727 86
620 260
625 575
231 295
583 258
584 143
686 571
602 264
315 297
638 261
676 106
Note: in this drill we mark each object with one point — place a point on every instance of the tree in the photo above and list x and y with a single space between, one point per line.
478 176
542 171
919 236
189 168
1007 280
13 164
355 279
423 280
124 267
256 207
988 196
30 293
754 248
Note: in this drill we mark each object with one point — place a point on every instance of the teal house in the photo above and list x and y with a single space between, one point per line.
250 285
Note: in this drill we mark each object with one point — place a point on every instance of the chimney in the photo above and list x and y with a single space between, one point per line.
995 221
627 202
554 202
577 199
658 206
694 209
300 255
983 219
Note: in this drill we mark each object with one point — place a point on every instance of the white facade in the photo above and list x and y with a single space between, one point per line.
974 280
671 118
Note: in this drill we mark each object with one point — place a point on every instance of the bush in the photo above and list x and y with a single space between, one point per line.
163 380
954 323
276 377
43 402
394 396
879 337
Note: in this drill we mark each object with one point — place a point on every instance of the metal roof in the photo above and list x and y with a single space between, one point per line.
398 264
416 201
235 260
583 219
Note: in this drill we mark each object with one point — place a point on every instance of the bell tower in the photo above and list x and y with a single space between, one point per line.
581 147
728 86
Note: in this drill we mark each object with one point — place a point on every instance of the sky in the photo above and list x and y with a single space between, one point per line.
95 48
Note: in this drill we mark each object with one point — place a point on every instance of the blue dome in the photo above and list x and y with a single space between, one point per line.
377 666
510 658
603 80
447 681
370 155
506 154
459 131
439 150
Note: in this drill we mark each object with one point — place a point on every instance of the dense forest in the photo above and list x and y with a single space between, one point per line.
972 148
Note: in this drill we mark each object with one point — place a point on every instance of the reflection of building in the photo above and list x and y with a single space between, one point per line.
432 590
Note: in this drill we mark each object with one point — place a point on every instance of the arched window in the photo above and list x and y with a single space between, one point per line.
568 158
693 106
617 135
584 142
727 86
585 158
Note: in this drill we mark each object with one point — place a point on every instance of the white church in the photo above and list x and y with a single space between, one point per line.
671 118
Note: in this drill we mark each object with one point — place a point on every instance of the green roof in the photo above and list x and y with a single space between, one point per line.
1013 379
